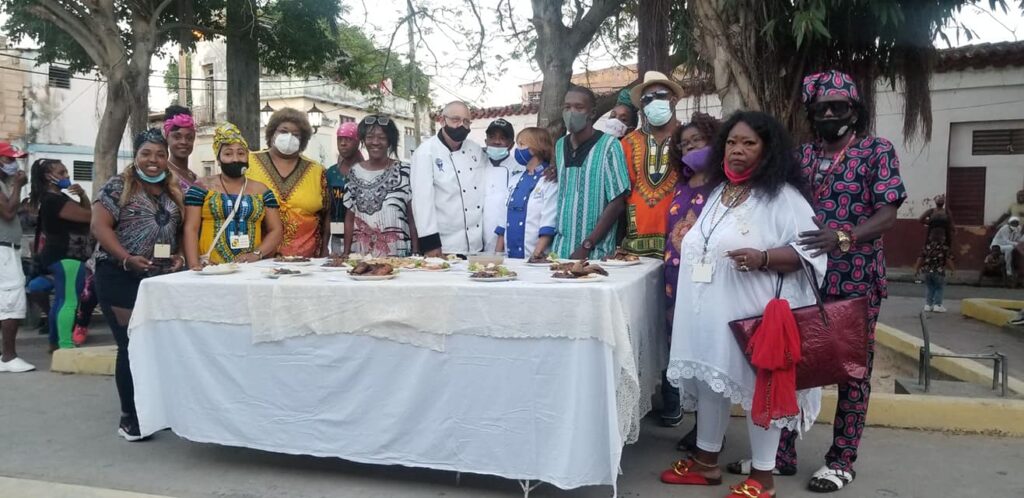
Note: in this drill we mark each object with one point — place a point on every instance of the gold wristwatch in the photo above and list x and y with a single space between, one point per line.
845 241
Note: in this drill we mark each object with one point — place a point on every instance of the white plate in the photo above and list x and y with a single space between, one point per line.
371 278
582 280
569 261
540 265
334 268
270 274
427 270
219 270
614 263
495 279
295 263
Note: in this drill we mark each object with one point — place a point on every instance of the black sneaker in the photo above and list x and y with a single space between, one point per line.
129 429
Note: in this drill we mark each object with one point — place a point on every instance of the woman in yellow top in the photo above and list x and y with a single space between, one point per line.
299 183
229 218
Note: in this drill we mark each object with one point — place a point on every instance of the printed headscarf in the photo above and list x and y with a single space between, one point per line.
227 134
348 130
179 121
150 136
828 83
625 99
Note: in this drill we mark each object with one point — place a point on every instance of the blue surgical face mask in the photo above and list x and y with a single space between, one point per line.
151 179
658 112
497 153
523 156
63 183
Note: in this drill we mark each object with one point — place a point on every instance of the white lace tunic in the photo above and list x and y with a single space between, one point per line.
703 346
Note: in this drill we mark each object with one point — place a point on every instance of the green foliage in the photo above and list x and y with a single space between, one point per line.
171 79
362 65
299 37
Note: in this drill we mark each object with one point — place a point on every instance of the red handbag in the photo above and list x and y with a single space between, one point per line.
833 337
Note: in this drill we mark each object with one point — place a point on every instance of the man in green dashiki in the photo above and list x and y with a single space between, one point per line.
592 181
337 176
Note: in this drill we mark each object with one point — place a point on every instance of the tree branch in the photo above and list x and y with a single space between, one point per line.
75 27
583 31
171 26
159 11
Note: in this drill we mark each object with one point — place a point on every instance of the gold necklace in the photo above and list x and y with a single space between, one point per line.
734 193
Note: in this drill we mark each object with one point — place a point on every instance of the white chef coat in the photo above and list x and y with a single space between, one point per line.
497 181
448 194
541 212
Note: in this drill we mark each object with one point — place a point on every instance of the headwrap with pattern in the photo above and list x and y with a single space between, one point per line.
625 99
179 121
227 134
828 83
150 136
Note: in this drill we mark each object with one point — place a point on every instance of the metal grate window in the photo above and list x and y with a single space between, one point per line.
997 142
82 171
967 200
60 77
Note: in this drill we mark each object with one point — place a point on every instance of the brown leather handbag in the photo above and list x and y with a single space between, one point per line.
833 337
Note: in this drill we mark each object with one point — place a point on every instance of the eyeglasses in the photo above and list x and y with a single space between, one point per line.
457 121
647 98
378 120
837 107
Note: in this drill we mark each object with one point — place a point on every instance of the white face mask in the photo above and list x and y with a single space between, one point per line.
10 168
286 143
615 128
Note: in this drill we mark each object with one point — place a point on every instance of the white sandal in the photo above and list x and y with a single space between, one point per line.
829 480
743 467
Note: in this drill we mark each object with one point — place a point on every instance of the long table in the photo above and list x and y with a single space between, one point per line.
531 379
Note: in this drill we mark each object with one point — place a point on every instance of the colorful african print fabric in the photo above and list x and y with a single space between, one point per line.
336 184
216 207
143 222
225 134
302 197
379 201
653 180
818 85
586 186
684 209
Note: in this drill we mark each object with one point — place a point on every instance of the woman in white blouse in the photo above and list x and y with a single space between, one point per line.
532 200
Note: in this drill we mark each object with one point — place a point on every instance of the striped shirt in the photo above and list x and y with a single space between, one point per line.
585 189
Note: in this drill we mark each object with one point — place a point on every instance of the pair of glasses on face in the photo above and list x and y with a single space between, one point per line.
647 98
376 120
838 108
457 121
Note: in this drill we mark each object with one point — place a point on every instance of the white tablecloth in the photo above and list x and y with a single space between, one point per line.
526 380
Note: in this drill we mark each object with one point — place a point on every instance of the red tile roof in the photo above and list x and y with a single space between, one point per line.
505 110
980 56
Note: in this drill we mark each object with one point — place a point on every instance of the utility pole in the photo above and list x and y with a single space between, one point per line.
183 82
412 81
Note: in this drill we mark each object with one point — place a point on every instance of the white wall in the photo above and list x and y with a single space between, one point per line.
477 131
962 100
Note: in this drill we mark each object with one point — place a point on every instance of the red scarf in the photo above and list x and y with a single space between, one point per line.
774 351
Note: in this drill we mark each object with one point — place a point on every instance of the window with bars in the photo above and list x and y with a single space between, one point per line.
59 77
81 171
1003 142
967 200
207 168
342 119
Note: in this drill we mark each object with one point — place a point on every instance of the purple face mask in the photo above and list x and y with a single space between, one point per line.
696 161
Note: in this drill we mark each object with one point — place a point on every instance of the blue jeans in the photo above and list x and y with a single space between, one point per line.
935 283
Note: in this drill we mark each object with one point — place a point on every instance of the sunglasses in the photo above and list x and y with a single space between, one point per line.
647 98
378 120
837 107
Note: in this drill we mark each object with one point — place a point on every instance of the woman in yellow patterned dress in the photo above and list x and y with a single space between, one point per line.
299 183
229 218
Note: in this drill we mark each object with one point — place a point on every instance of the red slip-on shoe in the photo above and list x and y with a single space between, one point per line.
682 473
749 489
79 335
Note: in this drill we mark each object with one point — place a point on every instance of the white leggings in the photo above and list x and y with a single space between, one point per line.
712 420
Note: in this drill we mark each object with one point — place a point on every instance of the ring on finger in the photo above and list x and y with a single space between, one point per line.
744 267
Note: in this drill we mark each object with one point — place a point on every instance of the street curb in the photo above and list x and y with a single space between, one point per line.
958 368
994 311
92 360
42 489
995 416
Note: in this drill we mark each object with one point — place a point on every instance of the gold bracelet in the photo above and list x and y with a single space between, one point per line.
767 257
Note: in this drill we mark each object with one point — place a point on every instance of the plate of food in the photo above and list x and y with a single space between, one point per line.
221 269
433 264
335 264
283 272
293 260
620 259
366 271
542 262
579 272
490 272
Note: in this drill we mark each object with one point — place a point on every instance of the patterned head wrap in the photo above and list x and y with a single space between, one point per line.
179 121
227 134
828 83
625 99
150 136
349 130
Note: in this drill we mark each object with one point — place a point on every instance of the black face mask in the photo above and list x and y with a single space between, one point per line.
457 134
234 170
831 129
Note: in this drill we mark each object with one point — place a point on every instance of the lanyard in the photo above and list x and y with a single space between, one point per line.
819 191
714 212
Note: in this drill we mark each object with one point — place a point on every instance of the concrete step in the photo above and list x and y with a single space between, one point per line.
89 360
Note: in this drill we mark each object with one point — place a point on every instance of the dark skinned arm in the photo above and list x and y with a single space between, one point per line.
780 259
824 239
608 218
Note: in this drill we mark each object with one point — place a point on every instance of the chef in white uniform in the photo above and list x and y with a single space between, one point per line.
448 187
498 173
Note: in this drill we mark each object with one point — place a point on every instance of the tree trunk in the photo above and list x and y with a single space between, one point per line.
111 129
243 70
652 42
557 76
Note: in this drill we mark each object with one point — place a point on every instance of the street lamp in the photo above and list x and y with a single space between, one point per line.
265 114
316 117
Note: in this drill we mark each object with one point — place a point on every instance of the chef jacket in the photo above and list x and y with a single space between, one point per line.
497 182
448 196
